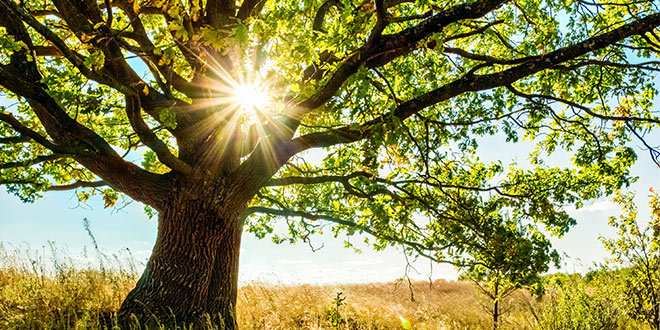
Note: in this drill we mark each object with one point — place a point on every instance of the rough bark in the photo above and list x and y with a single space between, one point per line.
191 277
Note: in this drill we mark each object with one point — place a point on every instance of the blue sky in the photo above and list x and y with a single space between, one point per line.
59 217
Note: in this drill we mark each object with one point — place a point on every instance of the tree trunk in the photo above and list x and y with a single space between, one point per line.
192 274
496 305
496 314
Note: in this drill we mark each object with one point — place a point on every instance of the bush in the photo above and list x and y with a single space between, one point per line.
585 303
638 249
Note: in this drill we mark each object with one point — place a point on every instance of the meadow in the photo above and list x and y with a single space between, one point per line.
49 290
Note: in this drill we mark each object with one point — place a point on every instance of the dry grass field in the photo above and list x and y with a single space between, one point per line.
79 299
67 297
440 305
44 290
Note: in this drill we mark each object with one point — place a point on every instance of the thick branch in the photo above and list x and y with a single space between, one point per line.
381 23
30 162
285 181
77 184
471 83
219 12
15 139
250 8
319 18
116 72
149 138
390 47
38 138
76 59
386 49
125 176
62 128
88 148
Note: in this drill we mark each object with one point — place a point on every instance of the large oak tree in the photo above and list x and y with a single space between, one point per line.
219 100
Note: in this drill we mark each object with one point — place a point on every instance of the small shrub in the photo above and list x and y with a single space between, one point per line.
334 316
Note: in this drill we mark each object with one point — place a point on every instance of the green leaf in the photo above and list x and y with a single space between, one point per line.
167 117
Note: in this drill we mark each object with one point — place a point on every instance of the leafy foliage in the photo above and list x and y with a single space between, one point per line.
638 248
506 257
621 294
334 315
593 302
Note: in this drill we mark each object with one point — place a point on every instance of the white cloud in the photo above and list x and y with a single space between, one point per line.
294 261
602 206
141 243
366 262
142 252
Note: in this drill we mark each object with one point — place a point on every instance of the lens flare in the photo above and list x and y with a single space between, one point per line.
251 97
240 109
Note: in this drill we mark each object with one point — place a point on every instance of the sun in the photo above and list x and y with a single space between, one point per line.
252 98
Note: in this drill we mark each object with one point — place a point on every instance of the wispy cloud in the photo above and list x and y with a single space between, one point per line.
366 262
140 243
294 261
142 252
602 206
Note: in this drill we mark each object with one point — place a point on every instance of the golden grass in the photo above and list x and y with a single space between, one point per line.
442 305
50 290
67 297
79 298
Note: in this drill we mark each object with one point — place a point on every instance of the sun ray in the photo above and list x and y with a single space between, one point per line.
251 96
242 104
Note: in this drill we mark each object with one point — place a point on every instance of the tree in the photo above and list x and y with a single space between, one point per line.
506 257
638 249
399 94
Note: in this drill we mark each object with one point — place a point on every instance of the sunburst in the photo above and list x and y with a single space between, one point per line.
251 97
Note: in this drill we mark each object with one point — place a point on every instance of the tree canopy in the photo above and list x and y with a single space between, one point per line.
415 86
401 96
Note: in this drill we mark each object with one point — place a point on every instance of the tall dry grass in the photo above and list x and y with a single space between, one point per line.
438 305
49 290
